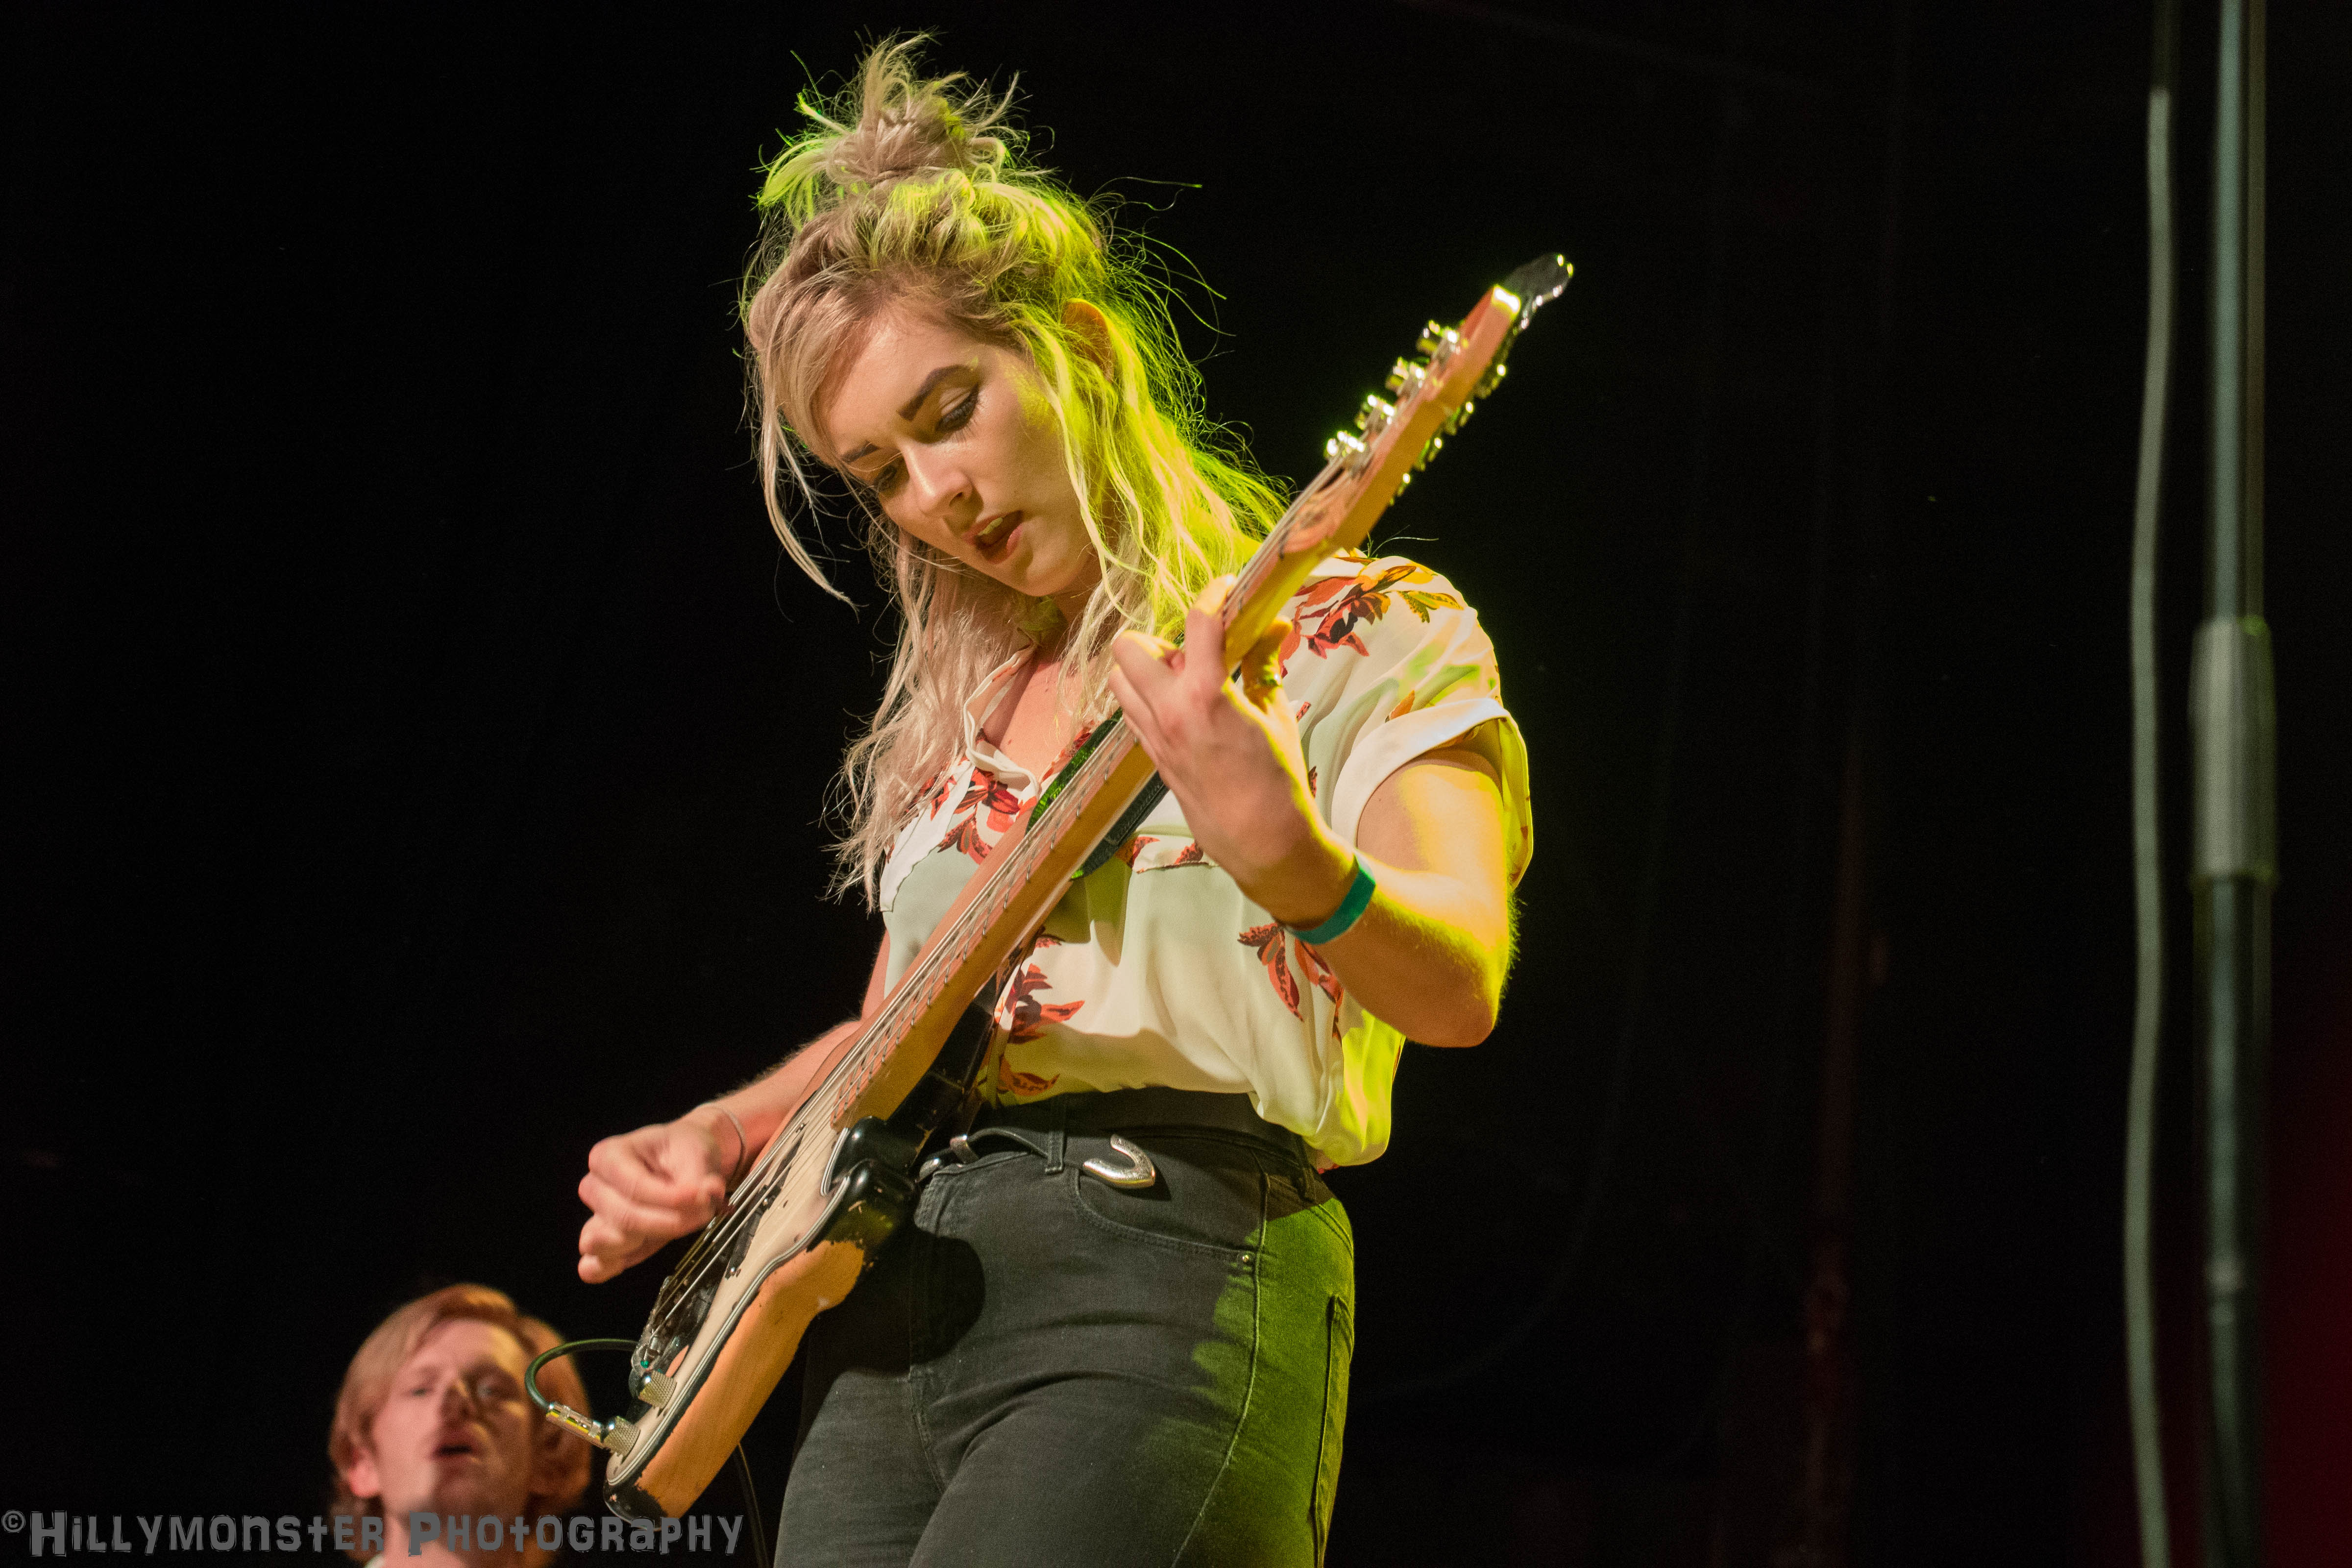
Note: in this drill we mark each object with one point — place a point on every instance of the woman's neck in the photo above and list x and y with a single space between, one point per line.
1072 602
1032 724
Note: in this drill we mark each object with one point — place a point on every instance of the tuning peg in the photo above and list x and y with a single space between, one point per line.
1436 444
1339 444
1404 479
1434 338
1375 414
1406 375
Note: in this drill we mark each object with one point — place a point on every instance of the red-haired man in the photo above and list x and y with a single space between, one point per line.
433 1421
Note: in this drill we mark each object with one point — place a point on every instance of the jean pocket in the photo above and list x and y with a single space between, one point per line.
1338 1354
1210 1199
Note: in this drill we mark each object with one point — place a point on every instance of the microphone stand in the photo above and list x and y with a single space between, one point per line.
2234 827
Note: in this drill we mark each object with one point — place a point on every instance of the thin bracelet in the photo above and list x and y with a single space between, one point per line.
742 1144
1351 908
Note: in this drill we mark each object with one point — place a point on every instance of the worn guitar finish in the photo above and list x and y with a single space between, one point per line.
834 1180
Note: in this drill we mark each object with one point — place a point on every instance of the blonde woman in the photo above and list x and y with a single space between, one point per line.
1044 1367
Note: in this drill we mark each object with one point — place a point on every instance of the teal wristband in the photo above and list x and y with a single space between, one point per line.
1350 910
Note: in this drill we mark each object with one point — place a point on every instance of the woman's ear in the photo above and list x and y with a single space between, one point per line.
1084 318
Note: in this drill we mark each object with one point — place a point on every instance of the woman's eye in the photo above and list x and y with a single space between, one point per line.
953 417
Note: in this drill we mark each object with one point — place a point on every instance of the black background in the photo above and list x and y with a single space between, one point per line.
419 743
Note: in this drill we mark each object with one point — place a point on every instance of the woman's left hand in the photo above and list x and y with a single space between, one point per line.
1232 757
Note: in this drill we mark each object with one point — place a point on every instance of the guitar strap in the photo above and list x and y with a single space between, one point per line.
948 1095
1154 789
1124 828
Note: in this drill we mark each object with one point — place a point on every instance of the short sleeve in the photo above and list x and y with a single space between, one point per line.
1395 665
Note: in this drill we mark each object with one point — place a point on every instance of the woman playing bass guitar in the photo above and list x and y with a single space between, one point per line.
1143 1361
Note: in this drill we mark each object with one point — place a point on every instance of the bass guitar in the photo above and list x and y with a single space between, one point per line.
838 1177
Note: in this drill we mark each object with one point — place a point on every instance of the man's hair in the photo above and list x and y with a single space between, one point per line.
367 1383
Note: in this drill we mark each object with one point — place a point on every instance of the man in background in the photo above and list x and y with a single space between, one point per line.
433 1418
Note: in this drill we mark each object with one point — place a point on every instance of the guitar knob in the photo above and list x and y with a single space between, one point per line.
1406 375
1376 413
1341 444
1435 339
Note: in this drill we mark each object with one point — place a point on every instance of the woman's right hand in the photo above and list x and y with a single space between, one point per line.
648 1186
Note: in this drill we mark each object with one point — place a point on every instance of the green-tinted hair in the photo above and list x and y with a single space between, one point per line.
906 191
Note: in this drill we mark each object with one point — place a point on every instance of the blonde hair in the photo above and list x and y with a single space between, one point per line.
912 192
367 1381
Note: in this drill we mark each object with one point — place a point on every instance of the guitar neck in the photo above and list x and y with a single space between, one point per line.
805 1231
1363 475
1030 867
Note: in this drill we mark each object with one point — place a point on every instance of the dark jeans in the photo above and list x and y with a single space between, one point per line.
1045 1370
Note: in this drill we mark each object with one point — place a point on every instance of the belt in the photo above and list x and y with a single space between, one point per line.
1045 1127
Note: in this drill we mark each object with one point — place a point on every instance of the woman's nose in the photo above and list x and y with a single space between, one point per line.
934 482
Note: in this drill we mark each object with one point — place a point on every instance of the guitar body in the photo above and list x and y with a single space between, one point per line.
819 1251
835 1180
829 1190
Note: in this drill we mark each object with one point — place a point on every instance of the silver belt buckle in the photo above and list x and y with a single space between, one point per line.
1137 1174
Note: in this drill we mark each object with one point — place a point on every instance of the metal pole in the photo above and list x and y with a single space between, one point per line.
2234 827
2148 860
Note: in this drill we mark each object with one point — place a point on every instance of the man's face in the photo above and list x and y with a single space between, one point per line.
455 1433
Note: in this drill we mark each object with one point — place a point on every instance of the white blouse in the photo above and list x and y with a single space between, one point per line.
1155 969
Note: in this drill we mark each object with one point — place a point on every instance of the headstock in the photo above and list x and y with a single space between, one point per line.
1434 393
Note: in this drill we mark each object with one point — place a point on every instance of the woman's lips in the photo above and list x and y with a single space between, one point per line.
994 539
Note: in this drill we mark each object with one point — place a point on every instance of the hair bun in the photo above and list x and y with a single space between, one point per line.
911 135
890 124
908 126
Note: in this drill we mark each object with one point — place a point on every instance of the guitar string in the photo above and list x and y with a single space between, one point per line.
774 1168
919 990
915 995
1045 833
1035 842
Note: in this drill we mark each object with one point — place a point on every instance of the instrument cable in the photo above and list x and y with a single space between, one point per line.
742 1465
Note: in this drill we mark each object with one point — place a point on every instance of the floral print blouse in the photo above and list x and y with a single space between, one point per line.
1155 969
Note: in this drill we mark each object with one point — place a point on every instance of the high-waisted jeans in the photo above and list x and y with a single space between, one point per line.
1048 1371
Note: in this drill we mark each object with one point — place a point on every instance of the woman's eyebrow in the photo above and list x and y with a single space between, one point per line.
905 409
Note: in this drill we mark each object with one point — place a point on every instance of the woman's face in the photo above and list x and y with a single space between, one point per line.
949 436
